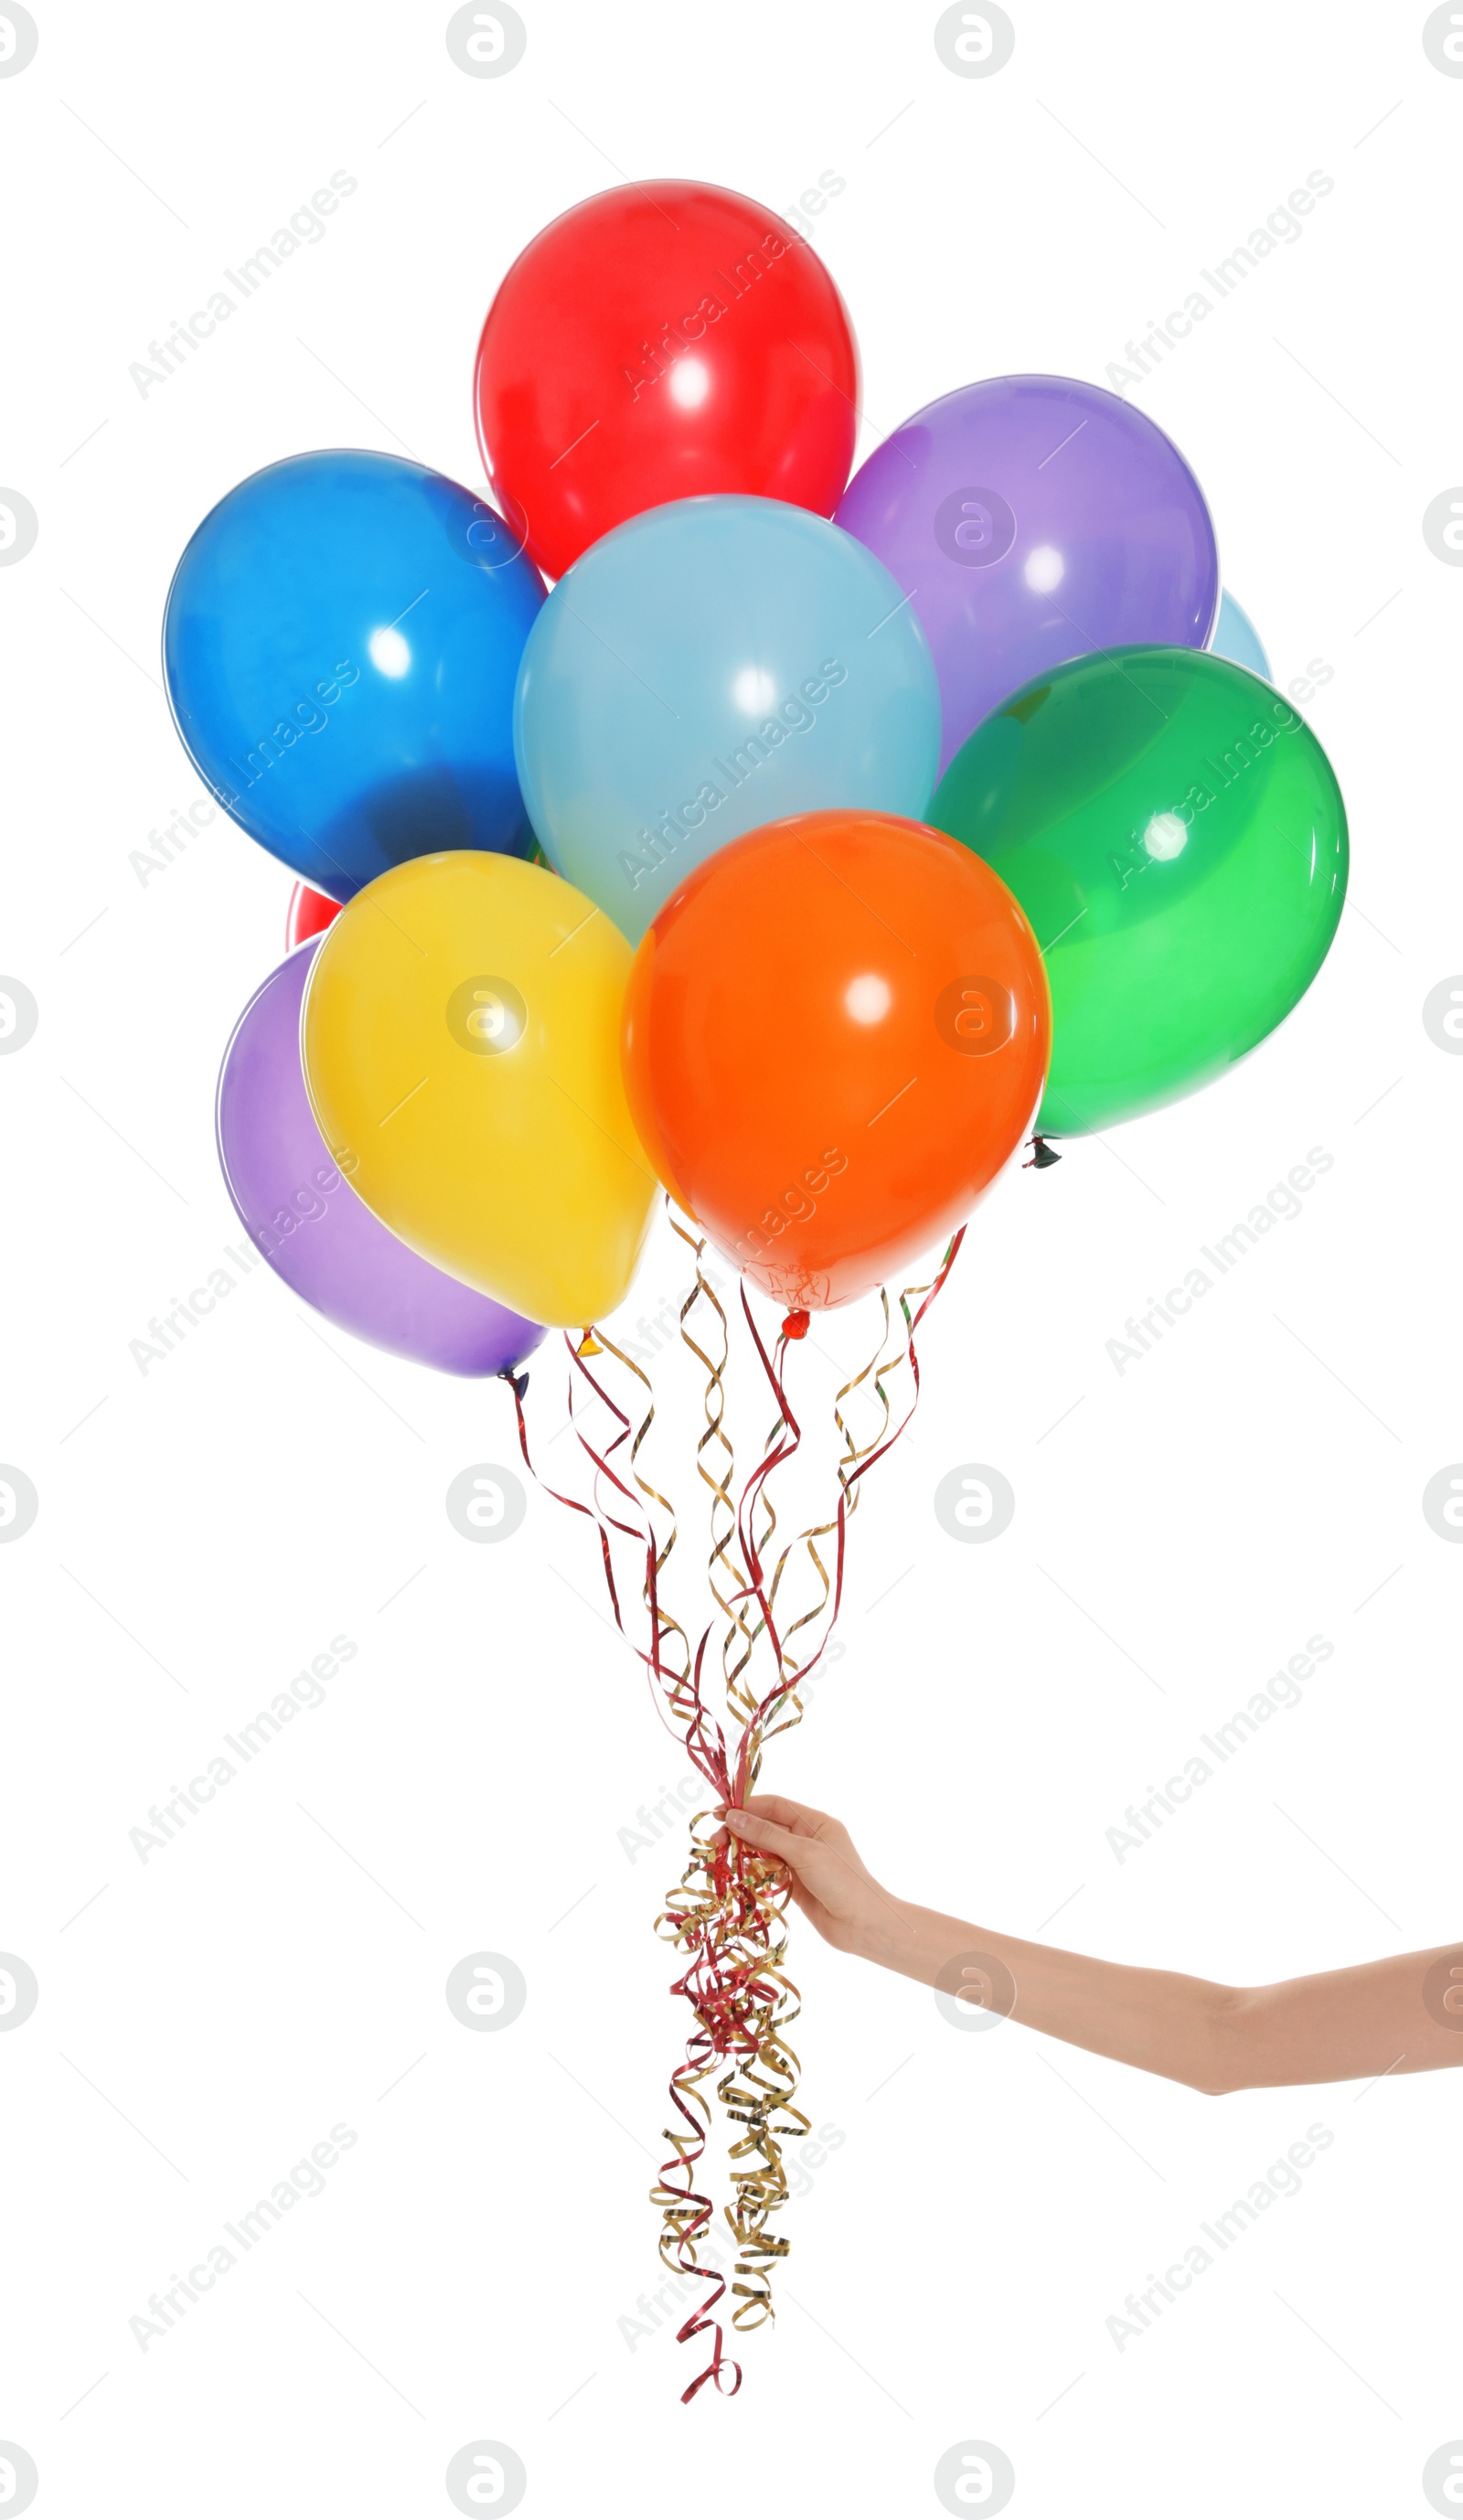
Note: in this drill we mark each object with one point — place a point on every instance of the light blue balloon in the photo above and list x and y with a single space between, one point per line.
707 667
1236 637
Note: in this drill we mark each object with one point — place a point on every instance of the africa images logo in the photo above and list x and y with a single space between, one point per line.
661 355
784 719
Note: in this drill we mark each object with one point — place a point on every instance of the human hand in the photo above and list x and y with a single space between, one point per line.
830 1882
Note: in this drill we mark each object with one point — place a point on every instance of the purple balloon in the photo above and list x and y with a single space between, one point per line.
316 1234
1031 519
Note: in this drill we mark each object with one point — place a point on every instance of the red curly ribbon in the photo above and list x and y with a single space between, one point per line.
727 1916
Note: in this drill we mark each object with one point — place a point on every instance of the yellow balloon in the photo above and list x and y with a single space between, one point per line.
461 1042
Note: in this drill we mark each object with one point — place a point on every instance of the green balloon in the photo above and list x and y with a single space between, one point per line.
1176 836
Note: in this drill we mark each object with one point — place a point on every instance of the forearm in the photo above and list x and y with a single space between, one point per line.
1347 2024
1165 2024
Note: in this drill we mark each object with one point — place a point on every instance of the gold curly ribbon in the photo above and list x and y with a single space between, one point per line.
726 1917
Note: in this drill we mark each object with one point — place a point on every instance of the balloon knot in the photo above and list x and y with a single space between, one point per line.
589 1345
795 1327
1042 1155
517 1383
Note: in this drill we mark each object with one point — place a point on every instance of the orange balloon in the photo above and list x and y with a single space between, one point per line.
835 1034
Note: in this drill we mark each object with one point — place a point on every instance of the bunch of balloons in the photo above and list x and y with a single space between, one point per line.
690 818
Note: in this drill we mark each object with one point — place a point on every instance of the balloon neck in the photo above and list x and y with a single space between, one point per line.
1040 1157
517 1383
589 1345
795 1327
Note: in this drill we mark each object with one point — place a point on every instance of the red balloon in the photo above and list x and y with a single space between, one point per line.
835 1036
309 913
661 341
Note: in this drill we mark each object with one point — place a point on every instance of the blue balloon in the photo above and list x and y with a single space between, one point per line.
341 646
1235 636
709 666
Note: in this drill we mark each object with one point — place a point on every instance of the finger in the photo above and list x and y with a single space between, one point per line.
788 1814
767 1837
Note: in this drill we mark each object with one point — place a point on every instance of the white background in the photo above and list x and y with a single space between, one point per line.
1181 1530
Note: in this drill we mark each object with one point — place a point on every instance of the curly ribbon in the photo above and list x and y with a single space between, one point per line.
855 1462
727 1916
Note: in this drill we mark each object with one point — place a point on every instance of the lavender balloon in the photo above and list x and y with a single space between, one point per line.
313 1229
1031 519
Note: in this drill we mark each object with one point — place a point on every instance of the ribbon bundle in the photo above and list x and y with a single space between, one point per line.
726 1917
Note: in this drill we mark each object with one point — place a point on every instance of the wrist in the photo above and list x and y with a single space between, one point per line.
889 1936
917 1942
